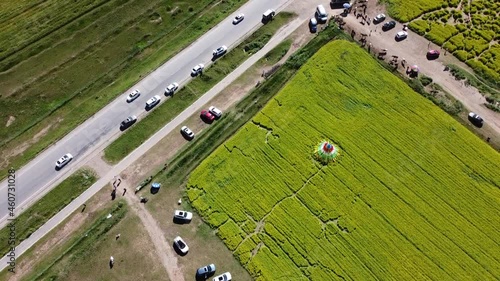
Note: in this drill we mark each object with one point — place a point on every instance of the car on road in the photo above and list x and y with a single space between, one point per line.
313 25
206 271
215 112
181 245
186 132
153 101
388 25
207 116
132 96
219 51
379 18
475 119
223 277
433 54
198 69
63 160
401 35
170 89
238 18
183 215
128 122
268 15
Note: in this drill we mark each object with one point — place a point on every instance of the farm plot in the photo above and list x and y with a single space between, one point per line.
468 29
413 195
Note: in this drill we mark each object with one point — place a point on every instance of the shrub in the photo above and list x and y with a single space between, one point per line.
419 26
425 80
461 55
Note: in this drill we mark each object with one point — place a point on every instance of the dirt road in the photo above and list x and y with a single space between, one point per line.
413 49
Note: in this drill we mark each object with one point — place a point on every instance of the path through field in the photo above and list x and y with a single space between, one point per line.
164 251
414 50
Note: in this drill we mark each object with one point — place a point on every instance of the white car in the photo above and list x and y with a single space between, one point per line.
401 35
197 69
181 245
185 131
63 160
132 96
170 89
379 18
215 112
219 51
153 101
238 18
223 277
183 215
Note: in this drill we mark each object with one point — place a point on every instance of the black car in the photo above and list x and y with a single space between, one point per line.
475 119
128 122
389 25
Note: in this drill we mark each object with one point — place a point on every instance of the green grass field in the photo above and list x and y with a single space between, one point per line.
413 196
44 209
60 61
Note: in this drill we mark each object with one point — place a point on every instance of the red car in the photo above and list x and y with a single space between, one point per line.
433 54
207 116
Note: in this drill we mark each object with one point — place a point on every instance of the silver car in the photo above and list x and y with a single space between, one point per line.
238 18
63 160
219 51
215 112
170 89
186 132
183 215
132 96
197 69
153 101
181 245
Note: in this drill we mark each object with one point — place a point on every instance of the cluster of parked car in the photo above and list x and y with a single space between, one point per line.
182 248
390 25
320 16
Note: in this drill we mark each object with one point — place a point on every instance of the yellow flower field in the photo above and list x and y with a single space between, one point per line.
413 195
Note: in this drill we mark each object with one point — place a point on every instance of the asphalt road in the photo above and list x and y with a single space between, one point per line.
39 176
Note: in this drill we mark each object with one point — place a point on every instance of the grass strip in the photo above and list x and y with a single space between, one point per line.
84 245
54 201
139 133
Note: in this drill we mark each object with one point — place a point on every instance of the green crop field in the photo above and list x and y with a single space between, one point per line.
61 61
469 30
413 195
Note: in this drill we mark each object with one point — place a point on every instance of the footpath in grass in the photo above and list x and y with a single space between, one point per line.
41 98
410 189
141 131
39 213
86 256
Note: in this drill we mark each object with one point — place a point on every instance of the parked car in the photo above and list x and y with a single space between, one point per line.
132 96
63 160
379 18
313 25
238 18
207 116
388 25
128 122
433 54
223 277
268 15
206 271
183 215
197 69
186 132
170 89
401 35
153 101
476 119
181 245
219 51
215 112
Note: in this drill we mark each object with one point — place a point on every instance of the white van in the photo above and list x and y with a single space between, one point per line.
268 15
321 14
